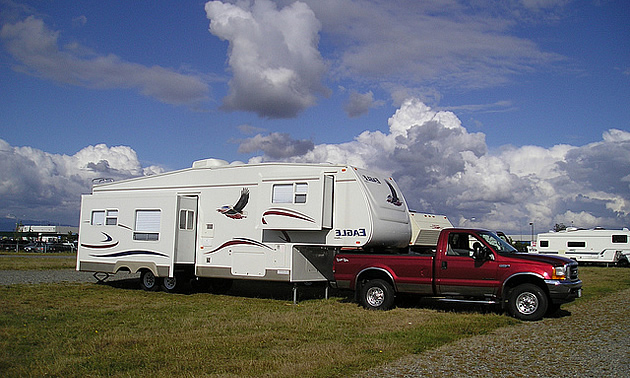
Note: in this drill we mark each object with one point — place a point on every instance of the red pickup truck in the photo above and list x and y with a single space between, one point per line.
466 265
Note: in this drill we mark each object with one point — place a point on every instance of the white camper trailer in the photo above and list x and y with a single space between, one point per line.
588 246
272 221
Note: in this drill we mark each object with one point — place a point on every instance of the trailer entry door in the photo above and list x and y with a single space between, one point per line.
186 230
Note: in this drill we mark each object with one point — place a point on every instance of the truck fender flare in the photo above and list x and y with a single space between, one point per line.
377 269
522 277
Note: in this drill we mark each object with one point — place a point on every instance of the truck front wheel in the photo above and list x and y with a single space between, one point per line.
376 295
528 302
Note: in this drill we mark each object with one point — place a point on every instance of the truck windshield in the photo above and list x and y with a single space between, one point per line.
498 244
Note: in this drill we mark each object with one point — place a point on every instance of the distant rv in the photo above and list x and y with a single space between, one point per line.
588 246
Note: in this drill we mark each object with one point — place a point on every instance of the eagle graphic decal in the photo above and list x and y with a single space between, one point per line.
236 211
393 197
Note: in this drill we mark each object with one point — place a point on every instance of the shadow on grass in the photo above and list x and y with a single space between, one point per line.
242 288
284 291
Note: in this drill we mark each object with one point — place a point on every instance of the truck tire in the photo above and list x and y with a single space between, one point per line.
148 280
528 302
376 295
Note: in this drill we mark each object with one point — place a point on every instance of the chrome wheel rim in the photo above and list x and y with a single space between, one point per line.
375 296
527 303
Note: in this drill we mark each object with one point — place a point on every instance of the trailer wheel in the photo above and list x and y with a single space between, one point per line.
528 302
148 280
170 284
376 295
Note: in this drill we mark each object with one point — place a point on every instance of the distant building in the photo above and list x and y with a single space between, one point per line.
48 233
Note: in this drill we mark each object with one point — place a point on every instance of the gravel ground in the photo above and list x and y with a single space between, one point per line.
592 340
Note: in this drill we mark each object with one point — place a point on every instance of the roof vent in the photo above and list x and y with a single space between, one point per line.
209 163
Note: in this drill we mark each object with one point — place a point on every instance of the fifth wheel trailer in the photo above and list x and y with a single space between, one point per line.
271 221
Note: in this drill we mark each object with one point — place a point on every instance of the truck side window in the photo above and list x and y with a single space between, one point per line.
460 244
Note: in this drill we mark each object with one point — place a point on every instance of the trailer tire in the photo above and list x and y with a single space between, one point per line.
148 280
170 284
528 302
376 295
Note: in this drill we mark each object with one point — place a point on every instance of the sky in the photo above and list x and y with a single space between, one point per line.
496 114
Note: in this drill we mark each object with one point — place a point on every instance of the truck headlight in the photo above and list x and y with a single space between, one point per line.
559 273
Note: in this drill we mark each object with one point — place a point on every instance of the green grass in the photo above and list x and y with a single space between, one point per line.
13 261
117 330
599 280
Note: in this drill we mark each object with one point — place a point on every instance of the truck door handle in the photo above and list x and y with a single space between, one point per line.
444 264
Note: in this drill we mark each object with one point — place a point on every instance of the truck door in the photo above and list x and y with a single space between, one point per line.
458 273
186 232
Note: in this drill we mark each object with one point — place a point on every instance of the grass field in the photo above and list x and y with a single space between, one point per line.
36 261
118 330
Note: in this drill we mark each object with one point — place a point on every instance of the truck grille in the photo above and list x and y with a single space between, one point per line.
573 272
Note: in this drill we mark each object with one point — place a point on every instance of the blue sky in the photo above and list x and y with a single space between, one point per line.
495 115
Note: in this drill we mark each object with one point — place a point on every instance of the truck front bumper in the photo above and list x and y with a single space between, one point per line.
561 291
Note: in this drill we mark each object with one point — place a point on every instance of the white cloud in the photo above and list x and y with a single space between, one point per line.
37 49
273 55
443 168
41 186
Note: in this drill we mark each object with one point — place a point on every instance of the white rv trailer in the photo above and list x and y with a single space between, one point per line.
588 246
271 221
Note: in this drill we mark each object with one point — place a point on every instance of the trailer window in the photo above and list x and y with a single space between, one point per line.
147 225
112 218
289 193
98 218
300 192
620 239
544 244
576 244
186 219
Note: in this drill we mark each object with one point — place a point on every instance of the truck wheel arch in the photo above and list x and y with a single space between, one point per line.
374 273
521 278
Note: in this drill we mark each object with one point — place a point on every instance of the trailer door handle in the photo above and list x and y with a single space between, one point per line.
444 264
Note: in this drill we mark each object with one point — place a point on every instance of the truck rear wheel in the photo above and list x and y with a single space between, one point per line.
148 280
528 302
376 295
